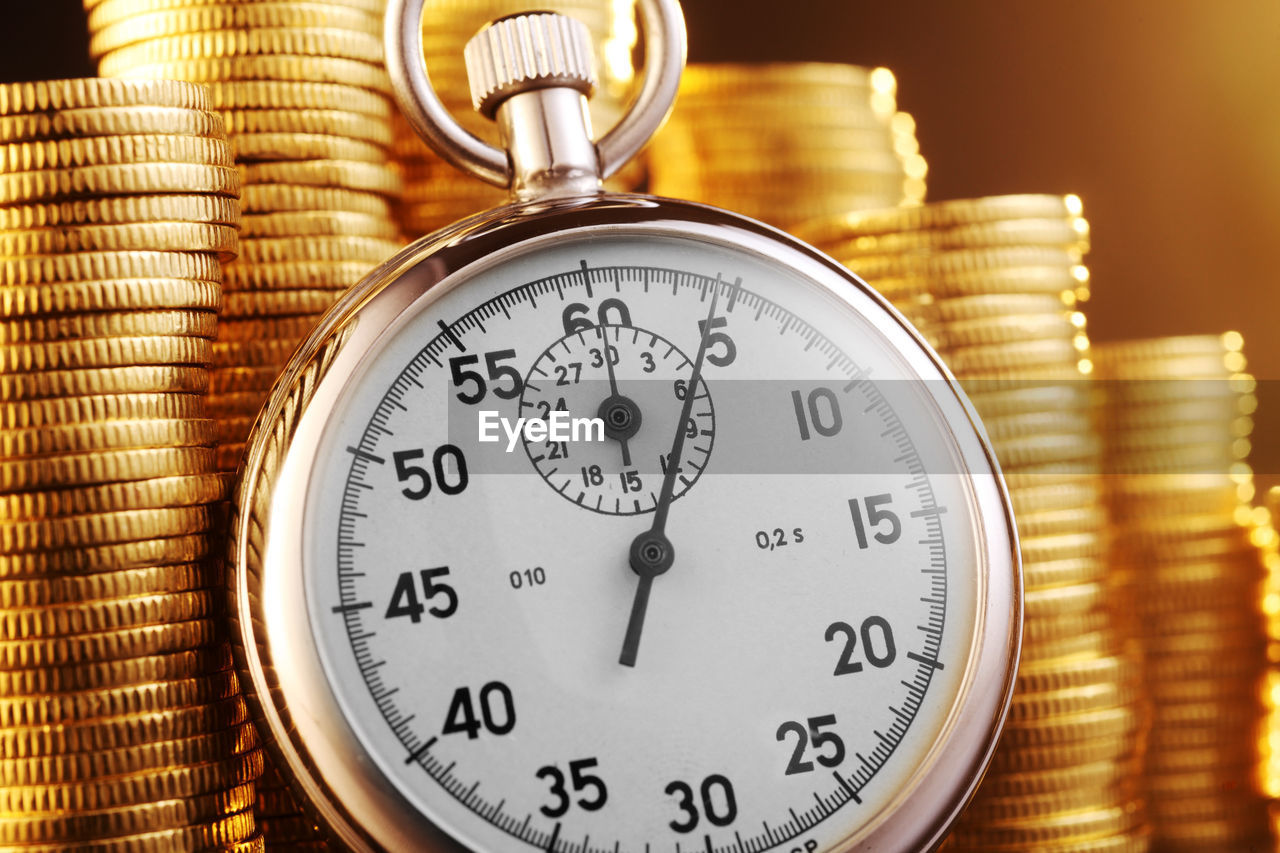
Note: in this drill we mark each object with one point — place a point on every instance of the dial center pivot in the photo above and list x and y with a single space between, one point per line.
621 417
651 554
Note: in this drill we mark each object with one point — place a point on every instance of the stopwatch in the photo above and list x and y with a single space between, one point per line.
604 523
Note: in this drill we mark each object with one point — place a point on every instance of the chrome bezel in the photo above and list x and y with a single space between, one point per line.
279 664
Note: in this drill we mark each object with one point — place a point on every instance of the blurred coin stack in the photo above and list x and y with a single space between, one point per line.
786 143
306 100
121 723
1269 742
1187 540
436 193
995 285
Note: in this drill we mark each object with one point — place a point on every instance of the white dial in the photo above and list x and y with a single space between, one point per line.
795 661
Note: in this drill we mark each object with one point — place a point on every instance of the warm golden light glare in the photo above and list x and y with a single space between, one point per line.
1233 341
1075 206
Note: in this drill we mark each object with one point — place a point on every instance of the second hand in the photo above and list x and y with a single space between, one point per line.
652 552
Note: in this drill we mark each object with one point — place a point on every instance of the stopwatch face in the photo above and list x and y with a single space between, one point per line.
644 538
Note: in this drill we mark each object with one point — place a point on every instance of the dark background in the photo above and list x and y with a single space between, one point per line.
1163 115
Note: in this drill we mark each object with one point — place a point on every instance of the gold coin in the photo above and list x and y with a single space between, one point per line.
963 261
111 121
1008 398
111 435
47 96
280 198
84 766
104 380
254 40
234 430
1049 281
998 331
118 701
1052 372
244 69
120 179
1024 424
1043 549
945 214
1102 639
102 13
191 490
102 558
291 829
1047 449
74 297
145 26
68 828
253 844
295 275
1205 781
99 529
1163 738
275 802
269 250
1194 666
1228 754
1085 827
1061 601
1170 438
103 467
230 456
64 589
1049 629
987 809
267 328
235 404
253 147
97 266
1073 729
231 379
120 732
1082 672
1062 572
1027 707
1227 638
277 303
71 410
227 830
1011 356
104 352
319 223
1069 232
115 210
351 125
298 95
261 353
1201 690
106 150
1225 714
342 174
75 327
1160 349
1062 521
174 783
972 309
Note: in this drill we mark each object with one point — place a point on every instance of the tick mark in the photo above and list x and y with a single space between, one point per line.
352 608
928 511
933 662
451 336
364 454
555 836
420 751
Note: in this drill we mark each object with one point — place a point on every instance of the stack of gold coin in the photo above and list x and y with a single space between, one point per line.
121 723
1269 740
995 285
436 193
1177 424
786 143
306 100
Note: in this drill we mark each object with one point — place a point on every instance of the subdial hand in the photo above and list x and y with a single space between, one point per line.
652 552
620 414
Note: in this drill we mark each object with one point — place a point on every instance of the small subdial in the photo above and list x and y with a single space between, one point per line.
611 399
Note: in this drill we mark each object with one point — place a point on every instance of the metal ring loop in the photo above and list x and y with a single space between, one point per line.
665 46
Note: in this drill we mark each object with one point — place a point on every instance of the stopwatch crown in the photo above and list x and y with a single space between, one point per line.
528 51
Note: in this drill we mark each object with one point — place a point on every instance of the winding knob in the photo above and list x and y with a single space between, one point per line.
530 50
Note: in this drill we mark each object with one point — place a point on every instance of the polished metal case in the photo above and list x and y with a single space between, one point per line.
280 668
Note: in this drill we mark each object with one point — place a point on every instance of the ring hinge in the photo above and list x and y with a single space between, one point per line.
665 49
